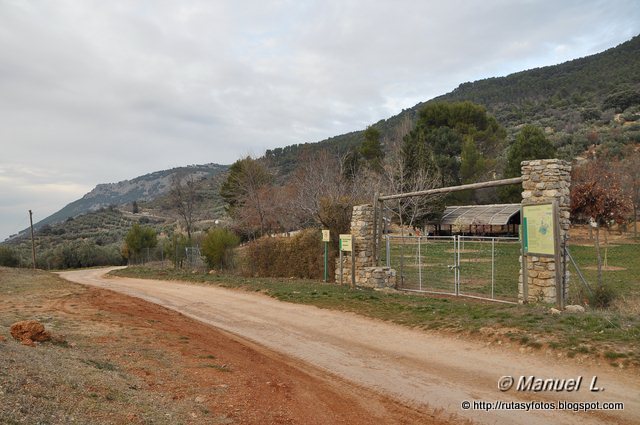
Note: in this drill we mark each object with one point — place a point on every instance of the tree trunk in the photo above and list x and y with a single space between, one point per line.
401 245
635 220
606 247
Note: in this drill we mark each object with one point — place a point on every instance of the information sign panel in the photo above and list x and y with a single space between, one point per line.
538 229
345 243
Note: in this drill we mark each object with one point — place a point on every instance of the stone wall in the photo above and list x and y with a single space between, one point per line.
543 181
378 277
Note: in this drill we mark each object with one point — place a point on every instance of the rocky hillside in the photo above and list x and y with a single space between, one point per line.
142 189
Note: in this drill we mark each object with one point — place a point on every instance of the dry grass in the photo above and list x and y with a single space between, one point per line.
75 378
628 305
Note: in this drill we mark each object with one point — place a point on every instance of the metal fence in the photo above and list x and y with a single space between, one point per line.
619 273
148 255
480 267
189 257
488 267
422 263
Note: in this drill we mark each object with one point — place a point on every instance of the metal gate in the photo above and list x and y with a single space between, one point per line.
479 267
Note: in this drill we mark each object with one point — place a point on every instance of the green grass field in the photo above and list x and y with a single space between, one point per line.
622 273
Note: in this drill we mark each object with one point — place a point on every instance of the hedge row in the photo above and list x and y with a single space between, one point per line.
300 256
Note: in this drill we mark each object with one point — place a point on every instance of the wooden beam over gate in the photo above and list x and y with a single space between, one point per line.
379 201
493 183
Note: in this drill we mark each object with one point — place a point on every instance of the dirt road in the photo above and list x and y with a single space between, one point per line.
422 369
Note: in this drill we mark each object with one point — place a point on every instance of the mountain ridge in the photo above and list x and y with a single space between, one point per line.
147 187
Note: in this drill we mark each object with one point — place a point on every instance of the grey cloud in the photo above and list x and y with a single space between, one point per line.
97 91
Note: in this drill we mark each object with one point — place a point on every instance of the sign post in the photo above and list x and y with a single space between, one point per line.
326 237
346 244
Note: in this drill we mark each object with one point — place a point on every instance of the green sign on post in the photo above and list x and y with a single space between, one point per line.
541 238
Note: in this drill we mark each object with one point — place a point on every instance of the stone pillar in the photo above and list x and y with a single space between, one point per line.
362 226
543 181
367 275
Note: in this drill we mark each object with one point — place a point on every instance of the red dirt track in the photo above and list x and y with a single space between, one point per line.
252 386
335 367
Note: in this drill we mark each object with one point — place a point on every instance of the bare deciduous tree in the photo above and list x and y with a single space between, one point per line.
629 170
183 198
597 196
397 179
248 191
323 195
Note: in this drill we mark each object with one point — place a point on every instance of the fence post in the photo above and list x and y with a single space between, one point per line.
545 181
493 266
456 264
419 264
565 291
376 229
341 267
388 251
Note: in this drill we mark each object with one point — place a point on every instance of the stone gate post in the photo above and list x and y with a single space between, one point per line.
544 181
362 230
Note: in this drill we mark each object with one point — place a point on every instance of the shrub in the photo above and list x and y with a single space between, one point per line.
138 239
174 249
602 297
621 100
76 254
218 246
298 256
591 114
8 257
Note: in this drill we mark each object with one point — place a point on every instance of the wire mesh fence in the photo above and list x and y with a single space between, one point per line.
165 256
619 274
423 263
193 258
147 256
489 267
483 267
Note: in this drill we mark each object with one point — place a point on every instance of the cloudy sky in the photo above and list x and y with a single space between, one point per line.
100 91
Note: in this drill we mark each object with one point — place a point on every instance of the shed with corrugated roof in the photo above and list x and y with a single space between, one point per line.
480 219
